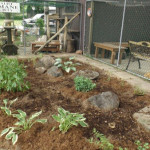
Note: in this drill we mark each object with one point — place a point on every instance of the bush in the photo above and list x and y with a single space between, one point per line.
12 75
83 84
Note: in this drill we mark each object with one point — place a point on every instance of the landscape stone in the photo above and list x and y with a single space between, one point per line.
46 62
143 118
40 70
106 101
54 71
86 73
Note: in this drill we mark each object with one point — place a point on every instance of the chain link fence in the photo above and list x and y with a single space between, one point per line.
110 28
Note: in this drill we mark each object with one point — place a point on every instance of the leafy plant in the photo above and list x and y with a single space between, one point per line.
6 107
141 146
40 23
101 141
12 75
67 120
138 92
67 66
120 148
83 84
23 124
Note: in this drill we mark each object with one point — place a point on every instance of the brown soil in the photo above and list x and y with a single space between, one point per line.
49 93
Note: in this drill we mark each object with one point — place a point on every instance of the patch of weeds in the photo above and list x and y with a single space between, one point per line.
120 148
6 107
12 75
100 140
66 66
68 119
83 84
139 92
23 124
141 146
122 83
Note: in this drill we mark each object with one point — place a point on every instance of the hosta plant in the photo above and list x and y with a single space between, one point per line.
83 84
6 107
23 124
68 119
12 75
68 65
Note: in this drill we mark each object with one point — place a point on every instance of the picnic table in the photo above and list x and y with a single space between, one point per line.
110 46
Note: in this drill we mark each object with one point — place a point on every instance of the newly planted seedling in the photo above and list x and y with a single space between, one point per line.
68 65
23 124
101 141
141 146
83 84
138 91
12 75
6 107
68 119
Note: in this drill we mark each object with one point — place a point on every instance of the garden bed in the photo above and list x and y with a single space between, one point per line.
49 93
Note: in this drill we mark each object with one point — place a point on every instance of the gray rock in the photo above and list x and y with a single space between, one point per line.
54 71
46 62
106 101
86 73
143 118
40 70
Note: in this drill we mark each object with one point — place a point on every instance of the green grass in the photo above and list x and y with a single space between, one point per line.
17 22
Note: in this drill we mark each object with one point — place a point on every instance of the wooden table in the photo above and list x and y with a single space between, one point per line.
52 46
110 46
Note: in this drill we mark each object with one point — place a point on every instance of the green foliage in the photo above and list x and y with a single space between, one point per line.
6 107
120 148
67 120
83 84
23 124
138 92
12 75
100 140
40 23
68 65
141 146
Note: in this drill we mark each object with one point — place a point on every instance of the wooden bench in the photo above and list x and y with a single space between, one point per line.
53 46
140 51
113 47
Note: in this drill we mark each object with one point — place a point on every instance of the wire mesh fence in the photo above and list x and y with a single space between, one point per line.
103 34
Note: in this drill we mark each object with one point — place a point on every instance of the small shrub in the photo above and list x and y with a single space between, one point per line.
12 75
23 124
141 146
100 140
83 84
67 120
67 66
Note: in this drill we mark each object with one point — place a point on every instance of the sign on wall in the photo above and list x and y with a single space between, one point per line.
9 7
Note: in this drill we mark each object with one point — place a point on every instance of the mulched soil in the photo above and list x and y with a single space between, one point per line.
49 93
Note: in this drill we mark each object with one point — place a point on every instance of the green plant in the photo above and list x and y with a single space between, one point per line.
120 148
101 141
67 66
67 120
40 23
138 92
12 75
6 107
23 124
83 84
141 146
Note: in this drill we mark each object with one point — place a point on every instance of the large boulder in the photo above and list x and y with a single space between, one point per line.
54 71
143 118
46 62
86 73
106 101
